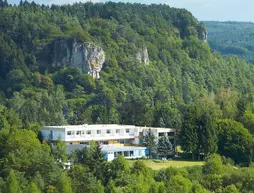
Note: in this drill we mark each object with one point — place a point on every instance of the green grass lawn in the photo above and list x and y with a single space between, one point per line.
158 164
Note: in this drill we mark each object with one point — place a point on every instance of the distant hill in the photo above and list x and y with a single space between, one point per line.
232 38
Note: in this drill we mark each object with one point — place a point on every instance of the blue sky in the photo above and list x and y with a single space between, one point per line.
218 10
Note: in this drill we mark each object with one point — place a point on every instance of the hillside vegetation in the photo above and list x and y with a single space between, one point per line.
182 68
208 98
232 38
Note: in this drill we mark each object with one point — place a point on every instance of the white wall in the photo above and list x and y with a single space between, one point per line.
110 156
139 153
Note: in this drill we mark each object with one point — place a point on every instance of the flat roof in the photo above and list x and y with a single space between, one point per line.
104 126
105 148
95 126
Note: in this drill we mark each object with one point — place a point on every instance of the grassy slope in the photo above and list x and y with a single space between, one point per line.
172 163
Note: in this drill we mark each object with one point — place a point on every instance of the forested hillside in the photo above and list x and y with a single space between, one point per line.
155 69
232 38
181 69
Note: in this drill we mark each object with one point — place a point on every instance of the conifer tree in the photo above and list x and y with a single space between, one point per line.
164 146
97 162
32 188
12 185
64 184
149 141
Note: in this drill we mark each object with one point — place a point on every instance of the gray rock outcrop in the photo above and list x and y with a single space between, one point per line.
203 36
89 58
202 32
143 55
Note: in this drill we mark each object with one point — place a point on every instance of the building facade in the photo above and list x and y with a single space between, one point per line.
113 151
125 140
106 134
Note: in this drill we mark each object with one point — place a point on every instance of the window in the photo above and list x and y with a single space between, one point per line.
83 133
51 135
126 154
117 130
127 130
78 132
88 132
84 143
98 132
171 134
161 134
108 131
68 132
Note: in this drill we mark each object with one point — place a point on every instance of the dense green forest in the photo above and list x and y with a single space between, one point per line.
208 98
232 38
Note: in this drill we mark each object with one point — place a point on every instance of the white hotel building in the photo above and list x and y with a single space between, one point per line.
126 140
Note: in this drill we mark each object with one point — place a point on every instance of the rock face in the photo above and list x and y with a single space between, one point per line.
202 32
143 56
88 57
203 36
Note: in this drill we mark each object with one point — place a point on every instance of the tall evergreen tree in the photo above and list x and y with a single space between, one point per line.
198 134
64 184
32 188
188 135
97 162
149 141
207 136
11 185
164 146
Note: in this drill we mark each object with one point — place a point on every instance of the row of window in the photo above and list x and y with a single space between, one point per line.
88 143
125 153
166 134
124 141
88 132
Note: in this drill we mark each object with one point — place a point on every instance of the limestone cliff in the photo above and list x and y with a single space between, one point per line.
89 58
143 56
203 36
202 32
